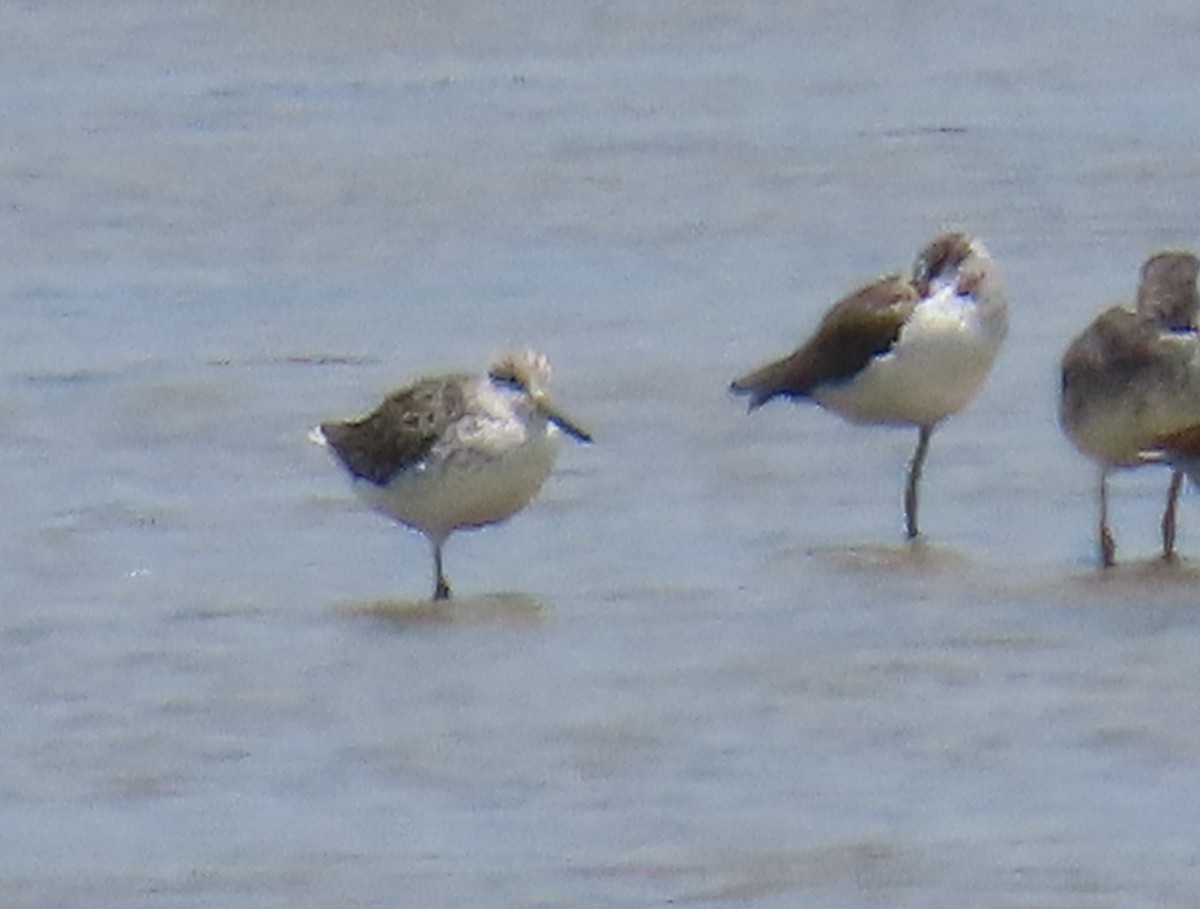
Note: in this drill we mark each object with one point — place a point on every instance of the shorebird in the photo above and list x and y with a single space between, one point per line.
1131 386
905 349
456 451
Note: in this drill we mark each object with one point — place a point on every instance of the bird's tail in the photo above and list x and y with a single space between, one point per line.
763 384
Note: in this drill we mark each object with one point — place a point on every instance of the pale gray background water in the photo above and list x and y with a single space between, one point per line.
701 669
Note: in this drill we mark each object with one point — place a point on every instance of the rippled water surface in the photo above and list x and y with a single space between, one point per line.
702 668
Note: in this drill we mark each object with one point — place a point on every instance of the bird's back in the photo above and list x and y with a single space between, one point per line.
857 328
401 431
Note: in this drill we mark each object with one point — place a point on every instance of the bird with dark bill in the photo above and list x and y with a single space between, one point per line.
457 451
907 349
1130 391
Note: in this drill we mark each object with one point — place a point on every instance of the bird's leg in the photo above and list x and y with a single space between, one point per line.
1108 546
1168 518
914 477
441 589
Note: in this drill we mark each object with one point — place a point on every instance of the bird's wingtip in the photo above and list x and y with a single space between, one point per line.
740 387
316 435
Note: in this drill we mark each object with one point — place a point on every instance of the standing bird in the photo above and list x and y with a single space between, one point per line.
457 451
1131 386
909 350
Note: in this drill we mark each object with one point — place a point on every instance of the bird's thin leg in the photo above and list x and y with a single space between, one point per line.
1168 518
914 477
441 589
1108 546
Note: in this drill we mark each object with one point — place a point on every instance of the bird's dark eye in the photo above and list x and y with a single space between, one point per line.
506 380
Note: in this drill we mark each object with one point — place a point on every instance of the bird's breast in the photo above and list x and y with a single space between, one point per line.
467 485
937 365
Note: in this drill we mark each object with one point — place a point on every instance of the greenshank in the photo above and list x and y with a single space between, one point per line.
457 451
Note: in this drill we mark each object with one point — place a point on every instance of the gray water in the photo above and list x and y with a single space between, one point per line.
702 668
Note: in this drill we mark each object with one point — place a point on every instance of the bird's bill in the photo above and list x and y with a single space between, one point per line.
563 422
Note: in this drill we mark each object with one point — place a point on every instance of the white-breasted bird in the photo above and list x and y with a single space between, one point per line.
905 349
457 451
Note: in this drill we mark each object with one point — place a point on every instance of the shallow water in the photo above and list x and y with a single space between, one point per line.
702 667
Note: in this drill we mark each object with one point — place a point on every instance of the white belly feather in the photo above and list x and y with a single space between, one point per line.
937 365
462 485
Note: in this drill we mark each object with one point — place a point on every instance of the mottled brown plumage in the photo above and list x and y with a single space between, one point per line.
399 432
1101 364
1130 392
457 451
